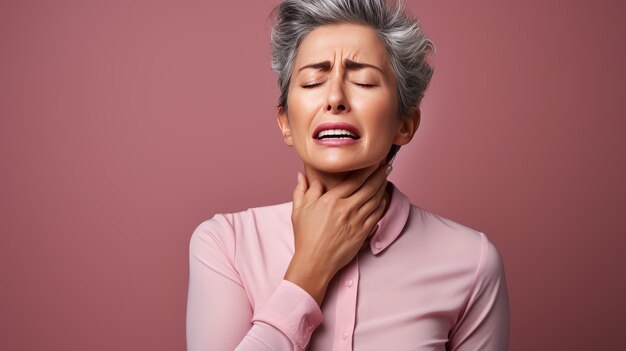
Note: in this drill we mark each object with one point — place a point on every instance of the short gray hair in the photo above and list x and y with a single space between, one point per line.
406 44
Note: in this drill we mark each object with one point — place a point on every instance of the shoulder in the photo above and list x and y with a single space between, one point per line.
213 236
225 229
441 230
456 243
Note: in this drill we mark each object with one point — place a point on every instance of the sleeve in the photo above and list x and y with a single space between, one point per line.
219 314
484 323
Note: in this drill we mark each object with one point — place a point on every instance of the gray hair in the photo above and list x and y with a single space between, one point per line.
406 44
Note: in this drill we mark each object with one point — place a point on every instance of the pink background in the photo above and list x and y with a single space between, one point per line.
124 124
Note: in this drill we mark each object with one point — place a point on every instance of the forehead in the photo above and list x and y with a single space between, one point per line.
342 40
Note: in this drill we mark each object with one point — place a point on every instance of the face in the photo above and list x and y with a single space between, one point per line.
341 74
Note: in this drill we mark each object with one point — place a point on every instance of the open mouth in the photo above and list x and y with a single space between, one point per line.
336 134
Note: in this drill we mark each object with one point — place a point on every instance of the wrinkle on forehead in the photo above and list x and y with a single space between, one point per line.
334 42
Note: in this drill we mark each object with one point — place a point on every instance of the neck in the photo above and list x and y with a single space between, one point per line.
330 180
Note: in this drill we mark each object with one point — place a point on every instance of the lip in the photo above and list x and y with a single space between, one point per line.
336 142
336 125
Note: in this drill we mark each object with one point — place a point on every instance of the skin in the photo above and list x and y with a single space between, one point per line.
343 192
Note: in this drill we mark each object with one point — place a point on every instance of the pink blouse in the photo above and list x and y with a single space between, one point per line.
420 282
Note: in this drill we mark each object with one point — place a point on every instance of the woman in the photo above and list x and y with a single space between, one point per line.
350 263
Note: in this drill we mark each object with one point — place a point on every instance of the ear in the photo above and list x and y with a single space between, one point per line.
283 124
407 127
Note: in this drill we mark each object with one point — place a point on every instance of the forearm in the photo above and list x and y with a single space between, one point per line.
311 277
219 314
292 311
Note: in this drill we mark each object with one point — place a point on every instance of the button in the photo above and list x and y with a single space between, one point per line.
378 245
345 335
349 283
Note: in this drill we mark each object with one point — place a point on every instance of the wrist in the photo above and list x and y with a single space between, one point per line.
309 277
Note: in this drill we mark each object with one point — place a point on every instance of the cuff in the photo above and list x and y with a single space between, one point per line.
292 311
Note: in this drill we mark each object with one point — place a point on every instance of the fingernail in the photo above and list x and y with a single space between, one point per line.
388 170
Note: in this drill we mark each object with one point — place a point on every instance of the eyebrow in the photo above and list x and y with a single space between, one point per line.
352 65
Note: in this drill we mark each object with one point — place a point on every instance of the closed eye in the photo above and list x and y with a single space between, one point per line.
311 85
308 86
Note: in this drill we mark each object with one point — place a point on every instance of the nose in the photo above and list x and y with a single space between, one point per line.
337 101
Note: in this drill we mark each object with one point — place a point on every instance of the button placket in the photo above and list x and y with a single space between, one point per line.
346 306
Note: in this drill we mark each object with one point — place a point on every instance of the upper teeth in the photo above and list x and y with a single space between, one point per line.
335 132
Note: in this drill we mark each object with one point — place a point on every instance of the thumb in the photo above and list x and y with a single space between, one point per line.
299 191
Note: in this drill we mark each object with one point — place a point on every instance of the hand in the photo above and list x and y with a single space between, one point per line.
330 228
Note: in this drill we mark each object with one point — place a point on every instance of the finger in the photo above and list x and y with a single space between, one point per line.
315 190
371 204
374 217
299 191
354 182
369 188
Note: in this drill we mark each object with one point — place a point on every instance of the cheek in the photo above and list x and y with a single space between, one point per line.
297 119
300 104
379 110
303 106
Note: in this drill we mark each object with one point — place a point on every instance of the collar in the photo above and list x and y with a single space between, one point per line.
391 224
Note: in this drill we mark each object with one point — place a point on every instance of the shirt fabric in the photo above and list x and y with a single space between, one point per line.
420 282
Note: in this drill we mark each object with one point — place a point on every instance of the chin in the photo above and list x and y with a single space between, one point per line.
337 166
